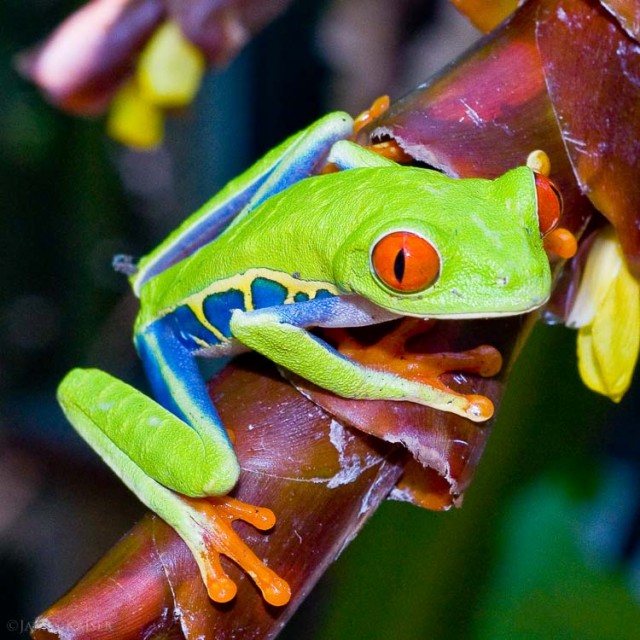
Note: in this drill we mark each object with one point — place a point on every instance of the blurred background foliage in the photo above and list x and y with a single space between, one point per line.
547 544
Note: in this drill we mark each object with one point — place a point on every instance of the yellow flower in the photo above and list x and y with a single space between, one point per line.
607 315
168 75
170 68
133 120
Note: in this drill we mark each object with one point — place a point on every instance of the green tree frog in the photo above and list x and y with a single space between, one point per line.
282 249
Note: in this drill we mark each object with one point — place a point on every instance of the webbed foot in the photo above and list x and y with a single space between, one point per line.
211 535
389 149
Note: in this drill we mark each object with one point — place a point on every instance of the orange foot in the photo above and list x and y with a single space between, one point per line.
389 148
389 354
379 106
213 536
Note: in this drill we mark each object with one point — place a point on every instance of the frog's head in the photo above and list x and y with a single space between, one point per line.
452 248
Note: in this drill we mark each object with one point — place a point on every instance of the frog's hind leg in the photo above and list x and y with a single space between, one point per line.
183 448
298 157
305 155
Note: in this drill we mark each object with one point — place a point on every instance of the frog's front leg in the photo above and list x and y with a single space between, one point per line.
391 354
179 447
280 334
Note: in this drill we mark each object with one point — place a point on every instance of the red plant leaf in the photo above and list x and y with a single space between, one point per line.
628 13
592 71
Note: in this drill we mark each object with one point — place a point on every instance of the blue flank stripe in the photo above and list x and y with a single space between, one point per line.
267 293
217 308
187 327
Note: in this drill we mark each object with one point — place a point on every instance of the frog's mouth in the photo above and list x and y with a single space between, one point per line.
531 303
482 315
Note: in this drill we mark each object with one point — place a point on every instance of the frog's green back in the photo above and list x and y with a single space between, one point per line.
299 156
323 228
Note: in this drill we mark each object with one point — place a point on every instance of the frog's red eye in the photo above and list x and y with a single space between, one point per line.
405 261
549 204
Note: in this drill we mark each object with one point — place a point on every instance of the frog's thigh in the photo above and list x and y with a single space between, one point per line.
142 441
296 158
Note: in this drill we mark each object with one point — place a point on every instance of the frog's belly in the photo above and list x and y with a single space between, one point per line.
230 347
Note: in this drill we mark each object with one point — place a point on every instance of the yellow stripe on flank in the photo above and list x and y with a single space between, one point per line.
242 282
199 314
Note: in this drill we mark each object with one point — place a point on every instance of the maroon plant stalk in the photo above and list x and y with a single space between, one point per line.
323 464
322 476
322 479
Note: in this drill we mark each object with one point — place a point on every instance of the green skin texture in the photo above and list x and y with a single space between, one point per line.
321 229
324 228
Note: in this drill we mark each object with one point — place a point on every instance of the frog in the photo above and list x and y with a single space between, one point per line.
320 233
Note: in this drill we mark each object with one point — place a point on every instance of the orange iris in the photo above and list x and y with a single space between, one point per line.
405 261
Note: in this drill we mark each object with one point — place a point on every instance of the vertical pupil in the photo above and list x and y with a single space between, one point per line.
398 266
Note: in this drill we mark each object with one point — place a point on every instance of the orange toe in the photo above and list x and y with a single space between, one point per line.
379 106
390 354
215 517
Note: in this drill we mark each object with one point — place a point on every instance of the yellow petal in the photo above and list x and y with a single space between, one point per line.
603 265
133 120
608 348
587 361
486 15
170 68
